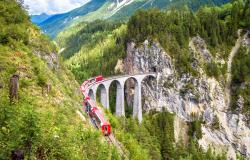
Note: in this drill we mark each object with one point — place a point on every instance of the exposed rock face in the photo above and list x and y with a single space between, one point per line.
185 95
119 68
200 46
52 59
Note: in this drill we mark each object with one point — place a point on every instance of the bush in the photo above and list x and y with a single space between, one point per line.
213 70
216 123
42 80
195 128
24 83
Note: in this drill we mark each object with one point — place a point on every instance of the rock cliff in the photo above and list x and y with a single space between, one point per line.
186 95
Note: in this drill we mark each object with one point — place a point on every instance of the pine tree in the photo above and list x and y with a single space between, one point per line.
167 149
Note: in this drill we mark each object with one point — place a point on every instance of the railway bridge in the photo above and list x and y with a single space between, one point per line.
120 86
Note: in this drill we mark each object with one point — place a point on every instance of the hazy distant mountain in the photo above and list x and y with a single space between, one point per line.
56 23
37 19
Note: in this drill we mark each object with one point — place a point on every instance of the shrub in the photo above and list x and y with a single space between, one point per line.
216 123
42 80
213 70
195 127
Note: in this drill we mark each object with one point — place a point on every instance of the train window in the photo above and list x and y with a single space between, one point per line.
106 130
97 120
87 107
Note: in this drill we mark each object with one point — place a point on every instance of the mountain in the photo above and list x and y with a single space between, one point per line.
37 19
113 10
53 25
128 10
198 107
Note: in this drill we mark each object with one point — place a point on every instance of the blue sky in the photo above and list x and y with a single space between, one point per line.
52 6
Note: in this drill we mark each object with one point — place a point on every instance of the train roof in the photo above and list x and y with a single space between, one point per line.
93 105
99 76
87 98
100 116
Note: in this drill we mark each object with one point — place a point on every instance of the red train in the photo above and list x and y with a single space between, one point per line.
97 117
90 107
100 121
96 79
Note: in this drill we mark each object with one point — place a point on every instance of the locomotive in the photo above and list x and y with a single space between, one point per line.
96 79
92 110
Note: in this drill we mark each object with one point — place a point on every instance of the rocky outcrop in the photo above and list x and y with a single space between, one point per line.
186 95
198 46
52 59
116 5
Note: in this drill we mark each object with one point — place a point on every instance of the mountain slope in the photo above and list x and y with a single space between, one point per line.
58 22
113 10
37 19
127 11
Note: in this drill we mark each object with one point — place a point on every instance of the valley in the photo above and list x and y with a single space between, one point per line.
171 79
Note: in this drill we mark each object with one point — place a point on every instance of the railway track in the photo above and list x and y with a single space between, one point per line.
96 117
111 140
108 139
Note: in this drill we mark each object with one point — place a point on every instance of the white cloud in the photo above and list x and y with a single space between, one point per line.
53 6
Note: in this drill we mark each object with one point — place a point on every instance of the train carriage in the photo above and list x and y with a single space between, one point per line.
92 110
96 79
99 78
100 121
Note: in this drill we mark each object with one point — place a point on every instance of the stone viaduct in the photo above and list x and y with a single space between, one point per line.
120 86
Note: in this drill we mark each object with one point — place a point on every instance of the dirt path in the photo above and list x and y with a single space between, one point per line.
229 67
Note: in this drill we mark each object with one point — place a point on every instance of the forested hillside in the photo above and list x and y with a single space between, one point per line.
96 47
194 5
215 24
38 119
37 19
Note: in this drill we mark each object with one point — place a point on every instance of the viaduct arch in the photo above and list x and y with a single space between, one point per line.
120 86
